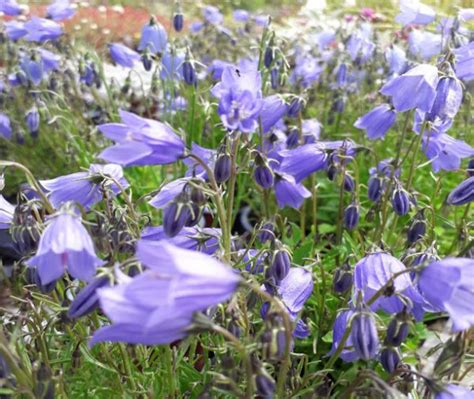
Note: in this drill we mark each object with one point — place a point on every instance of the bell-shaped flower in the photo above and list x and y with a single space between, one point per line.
85 188
463 193
141 141
424 44
464 57
341 323
154 37
7 211
377 121
396 59
15 29
123 55
307 70
448 99
60 10
273 109
288 192
414 12
5 126
364 335
302 161
157 306
41 30
452 391
10 8
212 15
448 285
414 89
65 245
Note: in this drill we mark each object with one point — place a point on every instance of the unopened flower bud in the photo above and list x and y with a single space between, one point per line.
147 61
178 22
222 168
32 119
400 201
265 386
281 265
375 189
462 194
342 279
292 139
397 330
175 216
266 233
274 78
189 73
268 57
351 216
416 231
390 359
364 334
295 107
263 176
349 183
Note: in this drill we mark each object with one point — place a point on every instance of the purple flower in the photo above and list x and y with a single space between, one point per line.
464 57
377 122
85 188
295 289
414 89
302 161
50 60
33 69
217 67
172 66
463 193
273 109
87 300
32 119
141 141
288 192
466 14
241 15
348 354
240 99
212 15
157 306
123 55
452 391
364 335
7 211
15 29
261 20
397 59
5 126
153 38
10 8
60 10
65 245
373 272
424 44
169 192
414 12
448 285
359 47
448 99
307 70
41 30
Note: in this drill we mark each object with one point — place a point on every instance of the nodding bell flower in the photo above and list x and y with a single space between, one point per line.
281 264
400 201
222 168
364 333
377 122
351 216
448 98
397 329
414 12
87 300
153 38
123 55
343 279
463 193
32 119
390 359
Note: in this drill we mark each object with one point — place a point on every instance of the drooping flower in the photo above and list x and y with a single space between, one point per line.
157 306
360 47
414 89
7 211
463 193
348 354
154 37
390 359
424 44
273 109
123 55
240 99
414 12
172 65
377 121
240 15
448 285
452 391
41 30
85 188
60 10
141 141
288 192
464 57
5 126
307 70
364 335
10 8
448 99
302 161
65 245
15 29
212 15
397 59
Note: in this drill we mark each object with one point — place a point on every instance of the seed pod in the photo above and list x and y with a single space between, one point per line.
222 168
364 334
400 201
263 176
265 386
342 281
178 22
281 265
349 183
189 74
266 233
397 331
390 359
416 231
462 194
295 107
86 301
32 119
351 216
375 189
175 216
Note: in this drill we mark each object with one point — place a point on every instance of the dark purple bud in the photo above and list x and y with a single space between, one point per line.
281 265
390 359
175 216
364 334
341 75
86 301
462 194
416 231
331 172
397 331
195 214
263 175
292 139
4 370
351 216
274 78
266 233
222 168
32 119
448 99
400 201
269 282
273 343
197 196
189 74
374 189
147 61
338 105
32 277
265 386
20 137
470 168
268 57
342 281
295 107
178 22
349 183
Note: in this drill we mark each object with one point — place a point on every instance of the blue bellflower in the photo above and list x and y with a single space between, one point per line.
463 193
7 211
414 12
60 10
5 126
464 58
123 55
377 121
10 8
154 37
41 30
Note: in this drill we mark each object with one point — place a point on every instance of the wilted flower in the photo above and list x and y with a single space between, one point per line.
160 302
85 188
364 335
65 245
448 285
414 12
5 126
463 193
141 141
377 122
123 55
153 38
414 89
60 10
87 300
